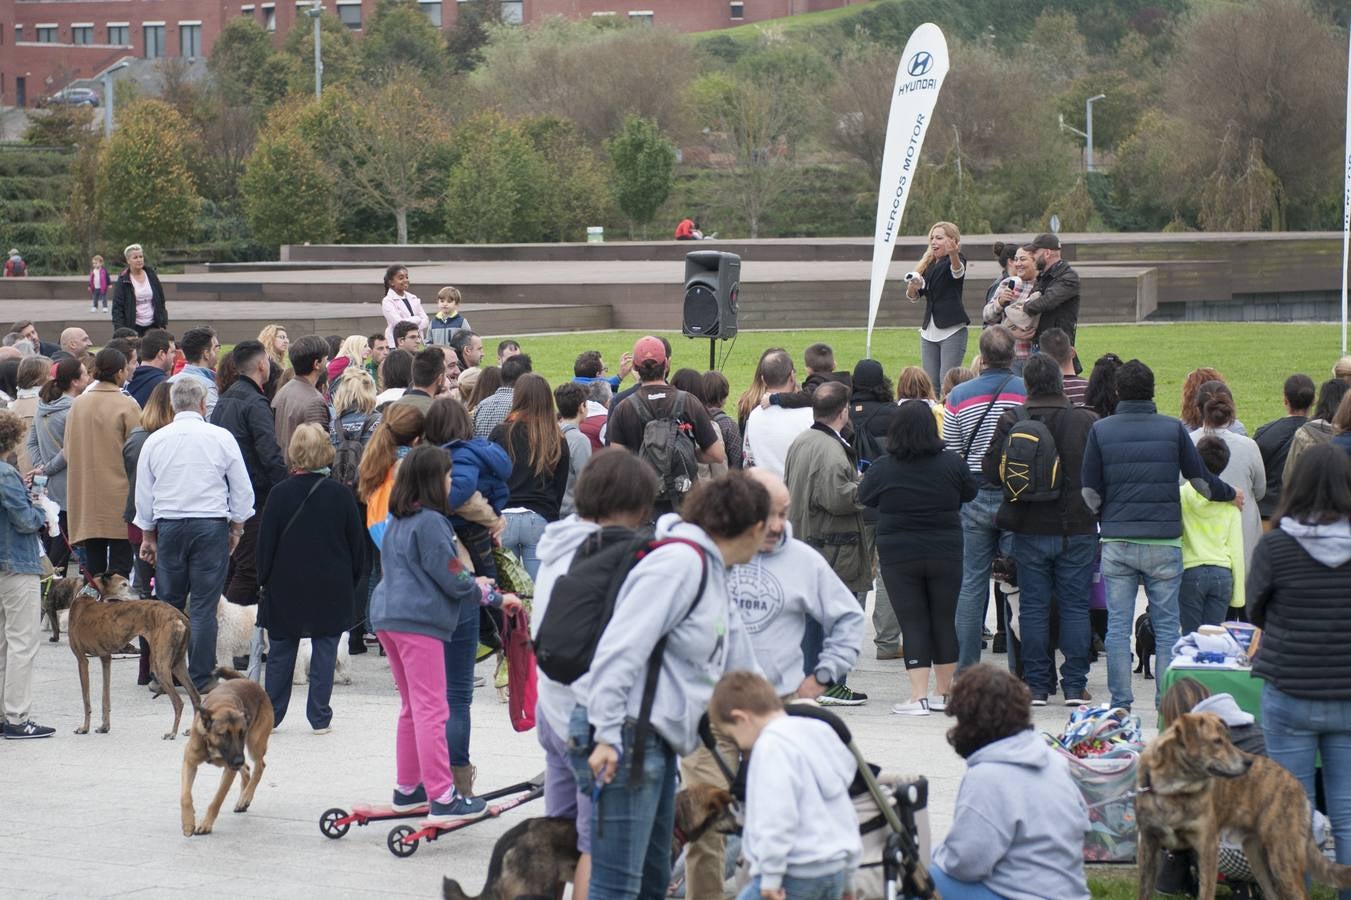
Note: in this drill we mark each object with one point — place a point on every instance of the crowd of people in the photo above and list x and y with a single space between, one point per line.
358 486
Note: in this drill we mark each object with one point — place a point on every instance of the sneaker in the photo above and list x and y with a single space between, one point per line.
479 681
93 309
842 695
938 703
327 729
27 731
458 807
918 707
889 654
1038 699
1078 698
407 802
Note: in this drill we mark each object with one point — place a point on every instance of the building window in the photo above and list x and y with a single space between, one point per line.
641 16
189 39
269 17
154 41
18 33
48 34
513 12
119 35
82 34
432 9
738 10
246 11
350 15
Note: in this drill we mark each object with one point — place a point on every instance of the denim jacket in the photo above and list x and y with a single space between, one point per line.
19 528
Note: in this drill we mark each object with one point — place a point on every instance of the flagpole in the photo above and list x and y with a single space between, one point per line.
1346 199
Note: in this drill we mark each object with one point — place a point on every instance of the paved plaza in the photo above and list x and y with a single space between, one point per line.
97 815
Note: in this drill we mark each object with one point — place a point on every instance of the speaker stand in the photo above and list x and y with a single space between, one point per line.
712 354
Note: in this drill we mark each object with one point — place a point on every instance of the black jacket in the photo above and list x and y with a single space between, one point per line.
919 506
124 301
539 494
245 413
943 295
311 572
1273 439
1070 427
1058 304
1300 605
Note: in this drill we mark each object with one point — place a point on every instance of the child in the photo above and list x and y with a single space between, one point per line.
1212 549
98 284
447 320
820 362
415 610
801 836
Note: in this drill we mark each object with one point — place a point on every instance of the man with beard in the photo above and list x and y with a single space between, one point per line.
1055 297
776 593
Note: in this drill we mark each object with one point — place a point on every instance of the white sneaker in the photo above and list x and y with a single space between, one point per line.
918 707
93 309
938 702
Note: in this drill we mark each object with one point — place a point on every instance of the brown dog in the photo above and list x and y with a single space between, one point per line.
534 859
700 808
1194 784
101 627
234 716
60 595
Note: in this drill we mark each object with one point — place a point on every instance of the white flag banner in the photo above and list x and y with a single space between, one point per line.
924 65
1346 199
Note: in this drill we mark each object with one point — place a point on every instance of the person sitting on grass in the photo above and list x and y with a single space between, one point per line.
801 838
1018 828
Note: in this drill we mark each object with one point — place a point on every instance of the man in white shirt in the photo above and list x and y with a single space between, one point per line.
771 430
192 498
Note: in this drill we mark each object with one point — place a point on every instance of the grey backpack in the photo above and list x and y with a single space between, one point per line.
668 446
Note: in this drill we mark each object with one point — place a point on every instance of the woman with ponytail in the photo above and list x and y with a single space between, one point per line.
1215 406
399 431
939 278
47 440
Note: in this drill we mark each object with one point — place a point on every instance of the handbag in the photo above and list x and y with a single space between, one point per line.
522 681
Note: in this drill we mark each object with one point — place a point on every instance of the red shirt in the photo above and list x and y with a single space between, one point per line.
685 229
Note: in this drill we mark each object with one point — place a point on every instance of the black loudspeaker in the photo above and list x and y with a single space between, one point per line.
712 280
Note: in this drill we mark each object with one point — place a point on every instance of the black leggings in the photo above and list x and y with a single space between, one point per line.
104 555
924 593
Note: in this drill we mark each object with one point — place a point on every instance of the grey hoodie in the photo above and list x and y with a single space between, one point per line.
556 549
710 641
800 820
776 592
1329 544
1019 824
46 445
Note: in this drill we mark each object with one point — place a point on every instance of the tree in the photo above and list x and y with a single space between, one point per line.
290 196
1157 172
1258 71
858 104
1242 194
341 55
244 66
474 24
60 126
644 166
82 214
387 141
492 184
398 38
1075 209
145 190
574 188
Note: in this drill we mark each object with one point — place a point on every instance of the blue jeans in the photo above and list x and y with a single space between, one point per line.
1124 567
1204 596
191 559
952 889
631 823
980 541
937 358
460 651
281 667
822 887
1052 566
1297 732
522 534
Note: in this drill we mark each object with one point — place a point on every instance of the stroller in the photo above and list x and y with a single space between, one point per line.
893 817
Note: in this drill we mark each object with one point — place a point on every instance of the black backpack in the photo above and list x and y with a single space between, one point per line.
1030 466
347 457
868 445
668 446
582 603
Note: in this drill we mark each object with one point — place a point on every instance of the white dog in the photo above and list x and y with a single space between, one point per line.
342 671
234 630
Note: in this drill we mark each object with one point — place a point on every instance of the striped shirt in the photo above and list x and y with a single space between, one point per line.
965 411
1076 389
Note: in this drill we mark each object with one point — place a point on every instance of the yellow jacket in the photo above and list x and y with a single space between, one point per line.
1212 535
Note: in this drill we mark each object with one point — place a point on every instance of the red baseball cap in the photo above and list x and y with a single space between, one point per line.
649 348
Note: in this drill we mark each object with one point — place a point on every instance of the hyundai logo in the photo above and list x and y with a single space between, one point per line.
920 63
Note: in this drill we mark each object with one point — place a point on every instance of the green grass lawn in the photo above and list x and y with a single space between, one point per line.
1255 359
1118 883
789 24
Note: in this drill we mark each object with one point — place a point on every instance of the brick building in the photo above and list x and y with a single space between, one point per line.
46 44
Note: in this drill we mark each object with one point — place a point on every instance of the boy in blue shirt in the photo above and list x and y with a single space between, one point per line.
447 320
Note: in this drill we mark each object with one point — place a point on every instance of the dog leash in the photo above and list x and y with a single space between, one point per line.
1129 795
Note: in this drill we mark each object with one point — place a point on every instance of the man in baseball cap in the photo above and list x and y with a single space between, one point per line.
1046 241
1055 297
649 349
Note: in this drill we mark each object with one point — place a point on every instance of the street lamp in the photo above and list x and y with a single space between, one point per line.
314 12
1088 117
108 97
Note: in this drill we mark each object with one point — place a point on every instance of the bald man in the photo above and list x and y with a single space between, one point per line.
74 344
786 584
